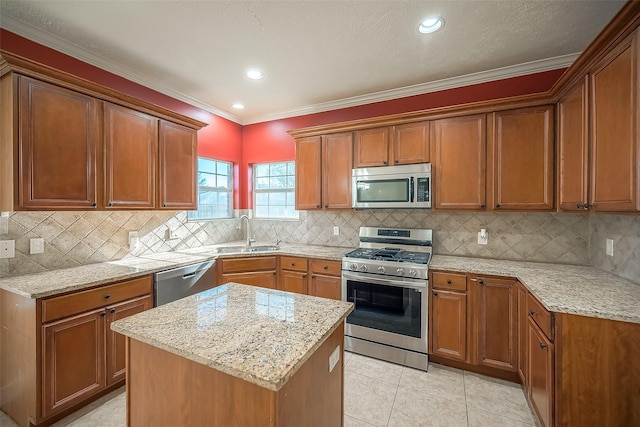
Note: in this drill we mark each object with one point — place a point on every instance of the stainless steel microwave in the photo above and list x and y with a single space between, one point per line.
398 187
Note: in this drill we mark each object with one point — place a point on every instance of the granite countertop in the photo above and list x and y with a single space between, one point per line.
260 335
573 289
54 282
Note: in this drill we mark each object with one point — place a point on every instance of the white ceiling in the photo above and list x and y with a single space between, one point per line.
316 55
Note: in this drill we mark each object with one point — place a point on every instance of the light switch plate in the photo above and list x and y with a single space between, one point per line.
609 247
7 249
36 246
334 358
336 230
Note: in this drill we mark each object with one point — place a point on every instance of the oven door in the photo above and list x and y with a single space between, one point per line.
387 310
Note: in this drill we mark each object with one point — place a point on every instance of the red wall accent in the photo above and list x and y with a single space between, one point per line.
269 141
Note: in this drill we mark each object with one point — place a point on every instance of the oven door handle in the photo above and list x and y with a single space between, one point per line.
413 284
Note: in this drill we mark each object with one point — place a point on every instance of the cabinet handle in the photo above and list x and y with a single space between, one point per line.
113 310
448 282
107 296
384 162
586 206
481 282
498 206
326 206
579 206
317 206
532 313
313 276
434 293
94 204
164 205
293 264
326 267
397 161
482 206
104 313
304 275
109 204
543 345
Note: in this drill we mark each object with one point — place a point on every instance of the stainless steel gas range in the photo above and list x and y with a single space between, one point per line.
386 279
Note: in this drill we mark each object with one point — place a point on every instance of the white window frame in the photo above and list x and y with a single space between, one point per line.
290 178
197 215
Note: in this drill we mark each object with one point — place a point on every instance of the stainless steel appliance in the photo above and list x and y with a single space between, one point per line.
386 278
405 187
181 282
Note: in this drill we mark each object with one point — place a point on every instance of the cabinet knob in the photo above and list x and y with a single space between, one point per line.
397 161
482 206
498 206
579 206
532 313
586 206
326 267
448 282
313 276
107 296
384 162
113 310
481 282
104 313
293 264
434 293
94 204
109 204
543 345
326 206
164 205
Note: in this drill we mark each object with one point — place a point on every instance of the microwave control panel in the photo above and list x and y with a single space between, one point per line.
423 190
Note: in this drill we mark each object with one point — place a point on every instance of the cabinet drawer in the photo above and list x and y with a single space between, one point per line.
293 263
238 265
540 316
323 266
449 281
66 305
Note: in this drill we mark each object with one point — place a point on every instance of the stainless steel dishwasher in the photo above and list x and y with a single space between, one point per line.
177 283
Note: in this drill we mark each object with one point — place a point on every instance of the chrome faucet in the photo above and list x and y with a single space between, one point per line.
248 230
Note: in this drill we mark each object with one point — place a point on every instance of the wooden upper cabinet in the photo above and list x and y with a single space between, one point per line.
178 166
410 144
371 147
130 158
459 146
58 147
392 145
309 173
523 151
573 145
337 160
614 128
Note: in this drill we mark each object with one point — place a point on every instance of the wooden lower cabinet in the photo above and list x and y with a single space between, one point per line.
326 279
522 334
58 353
293 275
449 324
257 271
540 373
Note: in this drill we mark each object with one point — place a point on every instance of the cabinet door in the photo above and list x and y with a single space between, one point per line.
523 159
309 173
523 333
449 324
573 149
614 127
460 162
293 281
496 317
410 144
115 349
371 148
263 279
540 374
337 160
58 147
178 168
73 365
130 158
326 286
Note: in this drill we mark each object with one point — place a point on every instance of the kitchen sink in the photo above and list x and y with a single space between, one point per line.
245 249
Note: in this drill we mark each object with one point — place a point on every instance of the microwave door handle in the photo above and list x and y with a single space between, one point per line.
411 189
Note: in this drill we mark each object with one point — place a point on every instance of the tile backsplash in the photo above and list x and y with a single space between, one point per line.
76 238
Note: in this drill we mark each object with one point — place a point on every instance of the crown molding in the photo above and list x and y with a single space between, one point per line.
532 67
38 35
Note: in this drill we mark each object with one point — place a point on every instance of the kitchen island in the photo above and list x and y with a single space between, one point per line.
236 355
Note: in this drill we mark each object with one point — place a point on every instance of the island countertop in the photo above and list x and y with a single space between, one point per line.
260 335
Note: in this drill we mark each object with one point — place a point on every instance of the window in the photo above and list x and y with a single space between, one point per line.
273 190
215 190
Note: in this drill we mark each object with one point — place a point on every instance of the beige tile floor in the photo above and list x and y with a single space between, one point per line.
378 393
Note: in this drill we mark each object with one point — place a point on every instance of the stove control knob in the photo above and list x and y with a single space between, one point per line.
353 266
381 270
363 267
400 272
412 272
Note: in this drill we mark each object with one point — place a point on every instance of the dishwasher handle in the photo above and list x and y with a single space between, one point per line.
189 276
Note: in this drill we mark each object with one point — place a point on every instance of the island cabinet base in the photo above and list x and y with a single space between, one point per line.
164 389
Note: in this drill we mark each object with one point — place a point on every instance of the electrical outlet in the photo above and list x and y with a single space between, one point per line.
483 237
7 248
609 247
133 240
334 358
36 246
4 225
336 230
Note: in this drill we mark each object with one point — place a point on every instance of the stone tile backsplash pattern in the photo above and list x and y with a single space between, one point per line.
76 238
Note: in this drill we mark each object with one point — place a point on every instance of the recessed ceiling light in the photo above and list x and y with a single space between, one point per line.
238 106
255 74
431 24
